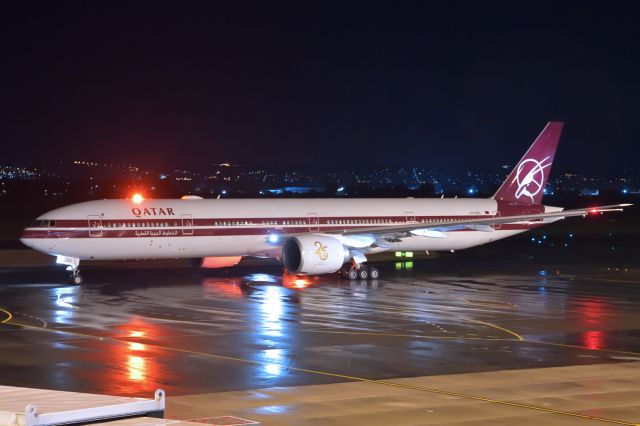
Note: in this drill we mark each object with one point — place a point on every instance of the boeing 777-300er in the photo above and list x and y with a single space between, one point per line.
311 236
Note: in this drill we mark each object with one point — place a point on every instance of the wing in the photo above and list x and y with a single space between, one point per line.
381 236
437 229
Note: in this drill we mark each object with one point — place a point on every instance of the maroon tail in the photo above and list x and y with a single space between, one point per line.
527 180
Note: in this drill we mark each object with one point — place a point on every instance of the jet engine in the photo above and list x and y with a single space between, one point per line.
313 254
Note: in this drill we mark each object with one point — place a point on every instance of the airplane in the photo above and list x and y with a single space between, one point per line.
309 236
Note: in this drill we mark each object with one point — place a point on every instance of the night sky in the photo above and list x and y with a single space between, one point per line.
319 84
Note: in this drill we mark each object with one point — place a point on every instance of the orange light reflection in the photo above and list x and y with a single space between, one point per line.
295 281
137 346
218 287
137 368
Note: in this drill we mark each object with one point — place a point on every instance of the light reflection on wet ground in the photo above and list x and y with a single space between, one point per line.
128 332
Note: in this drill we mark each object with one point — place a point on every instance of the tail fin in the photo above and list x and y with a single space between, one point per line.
527 180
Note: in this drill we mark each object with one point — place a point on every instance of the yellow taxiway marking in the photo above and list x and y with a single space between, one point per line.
488 303
488 324
354 378
8 318
497 339
564 345
413 336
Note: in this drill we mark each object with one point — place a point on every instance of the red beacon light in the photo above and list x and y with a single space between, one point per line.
137 198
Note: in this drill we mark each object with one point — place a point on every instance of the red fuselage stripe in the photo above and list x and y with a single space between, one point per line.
176 227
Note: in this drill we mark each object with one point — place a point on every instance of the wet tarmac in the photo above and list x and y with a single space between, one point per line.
127 331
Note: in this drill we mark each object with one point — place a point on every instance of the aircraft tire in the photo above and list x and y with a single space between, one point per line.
352 274
374 274
363 273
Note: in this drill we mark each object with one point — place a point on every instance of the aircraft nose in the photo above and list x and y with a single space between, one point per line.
25 238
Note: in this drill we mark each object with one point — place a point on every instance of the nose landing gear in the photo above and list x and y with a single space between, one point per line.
73 264
75 277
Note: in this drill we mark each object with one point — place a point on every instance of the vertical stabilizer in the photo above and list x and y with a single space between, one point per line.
527 180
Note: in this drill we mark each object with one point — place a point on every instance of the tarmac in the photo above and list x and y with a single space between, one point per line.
497 336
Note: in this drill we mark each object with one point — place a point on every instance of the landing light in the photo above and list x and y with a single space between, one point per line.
273 238
137 198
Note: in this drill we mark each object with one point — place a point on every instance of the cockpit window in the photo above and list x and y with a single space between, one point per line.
40 224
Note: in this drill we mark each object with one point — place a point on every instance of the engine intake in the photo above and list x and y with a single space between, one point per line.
313 254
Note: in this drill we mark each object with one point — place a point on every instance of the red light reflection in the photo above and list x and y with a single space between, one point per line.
593 339
136 370
592 312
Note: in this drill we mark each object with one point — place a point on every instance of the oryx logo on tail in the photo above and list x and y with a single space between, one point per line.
530 177
527 180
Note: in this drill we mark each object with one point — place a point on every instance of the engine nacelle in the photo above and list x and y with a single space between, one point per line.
313 254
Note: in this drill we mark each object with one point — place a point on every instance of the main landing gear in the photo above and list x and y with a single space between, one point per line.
361 272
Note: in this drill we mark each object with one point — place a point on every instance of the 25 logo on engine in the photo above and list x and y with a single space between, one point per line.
321 251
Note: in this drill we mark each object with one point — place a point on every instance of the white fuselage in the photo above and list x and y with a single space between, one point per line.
152 229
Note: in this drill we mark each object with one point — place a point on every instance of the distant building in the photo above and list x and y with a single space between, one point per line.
296 190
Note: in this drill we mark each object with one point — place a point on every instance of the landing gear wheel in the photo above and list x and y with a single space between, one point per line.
363 273
374 274
76 279
352 274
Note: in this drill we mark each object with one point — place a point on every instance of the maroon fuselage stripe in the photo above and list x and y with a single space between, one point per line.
161 228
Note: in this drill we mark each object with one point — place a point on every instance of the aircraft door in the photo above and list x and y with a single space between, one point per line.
187 224
95 225
410 217
313 221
